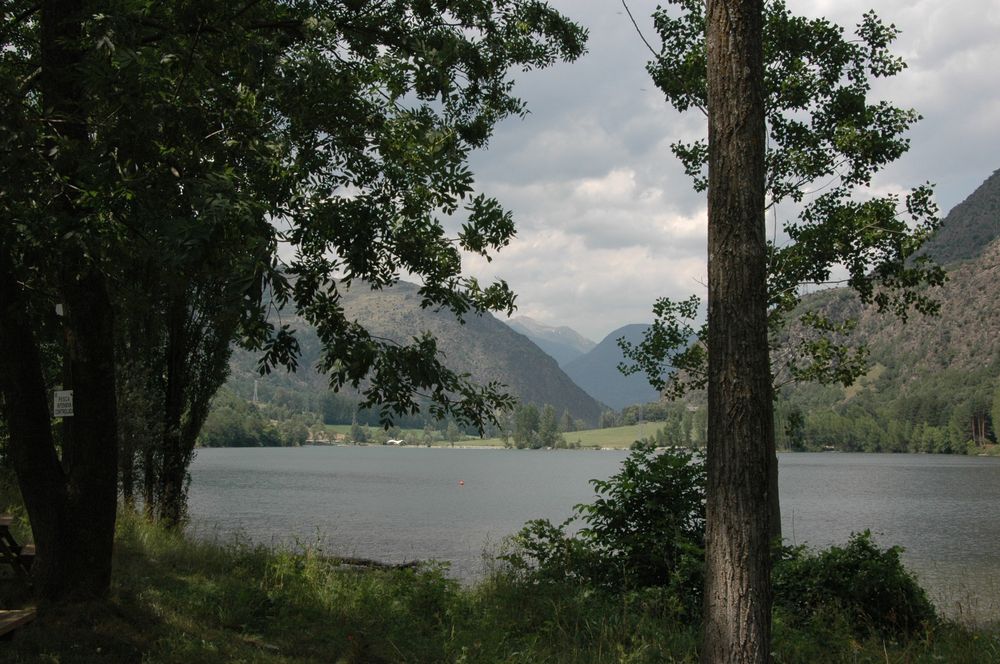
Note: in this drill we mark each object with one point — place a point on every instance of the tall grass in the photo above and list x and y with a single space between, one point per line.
179 600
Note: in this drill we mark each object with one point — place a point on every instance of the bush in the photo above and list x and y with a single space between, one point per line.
869 585
645 529
650 515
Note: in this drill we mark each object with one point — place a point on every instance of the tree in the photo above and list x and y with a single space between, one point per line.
526 424
340 130
357 433
995 414
233 422
176 331
737 613
71 498
548 427
795 429
822 131
566 423
824 135
453 434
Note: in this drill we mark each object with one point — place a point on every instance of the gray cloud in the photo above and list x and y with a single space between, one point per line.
607 220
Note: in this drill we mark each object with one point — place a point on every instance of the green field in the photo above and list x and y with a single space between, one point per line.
345 429
612 437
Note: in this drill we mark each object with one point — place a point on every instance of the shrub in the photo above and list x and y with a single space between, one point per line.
650 515
872 588
646 528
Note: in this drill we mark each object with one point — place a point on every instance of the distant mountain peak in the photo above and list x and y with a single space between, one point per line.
970 226
562 343
597 371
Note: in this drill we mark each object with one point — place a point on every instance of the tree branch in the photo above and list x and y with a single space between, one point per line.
638 31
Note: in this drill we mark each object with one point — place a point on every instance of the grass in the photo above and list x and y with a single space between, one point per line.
345 429
613 437
619 438
177 600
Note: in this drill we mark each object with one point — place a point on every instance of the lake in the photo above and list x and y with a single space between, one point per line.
399 504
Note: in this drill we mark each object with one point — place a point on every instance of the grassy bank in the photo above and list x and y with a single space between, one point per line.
178 600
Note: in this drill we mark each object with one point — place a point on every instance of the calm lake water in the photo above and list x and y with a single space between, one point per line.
398 504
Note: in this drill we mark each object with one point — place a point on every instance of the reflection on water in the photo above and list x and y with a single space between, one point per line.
941 509
398 504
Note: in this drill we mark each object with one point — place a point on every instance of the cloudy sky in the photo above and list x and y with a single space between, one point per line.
607 221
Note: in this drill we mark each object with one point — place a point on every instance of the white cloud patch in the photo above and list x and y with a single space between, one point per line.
607 220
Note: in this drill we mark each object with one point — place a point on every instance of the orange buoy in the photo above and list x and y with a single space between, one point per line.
461 483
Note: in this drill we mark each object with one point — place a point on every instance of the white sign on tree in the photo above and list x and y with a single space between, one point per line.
62 403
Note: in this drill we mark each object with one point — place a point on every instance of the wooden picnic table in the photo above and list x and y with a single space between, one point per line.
11 553
12 619
19 558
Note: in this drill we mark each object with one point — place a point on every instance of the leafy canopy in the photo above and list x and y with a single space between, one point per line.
304 146
827 138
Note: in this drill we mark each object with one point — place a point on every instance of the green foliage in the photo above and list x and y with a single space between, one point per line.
868 585
162 153
349 127
566 423
177 600
644 529
548 428
824 134
529 427
452 433
672 353
893 410
233 422
358 434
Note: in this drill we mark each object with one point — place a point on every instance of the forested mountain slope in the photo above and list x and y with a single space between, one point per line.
935 379
483 347
970 227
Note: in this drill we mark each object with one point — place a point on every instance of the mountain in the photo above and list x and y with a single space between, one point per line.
563 343
970 227
935 380
597 371
483 347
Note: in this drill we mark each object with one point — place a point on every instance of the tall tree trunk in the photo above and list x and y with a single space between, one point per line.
149 474
737 624
773 498
126 465
71 502
173 467
92 474
32 449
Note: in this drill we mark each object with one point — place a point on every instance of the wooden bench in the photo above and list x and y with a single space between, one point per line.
13 619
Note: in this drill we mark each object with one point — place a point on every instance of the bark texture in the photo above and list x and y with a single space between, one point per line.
737 621
71 498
